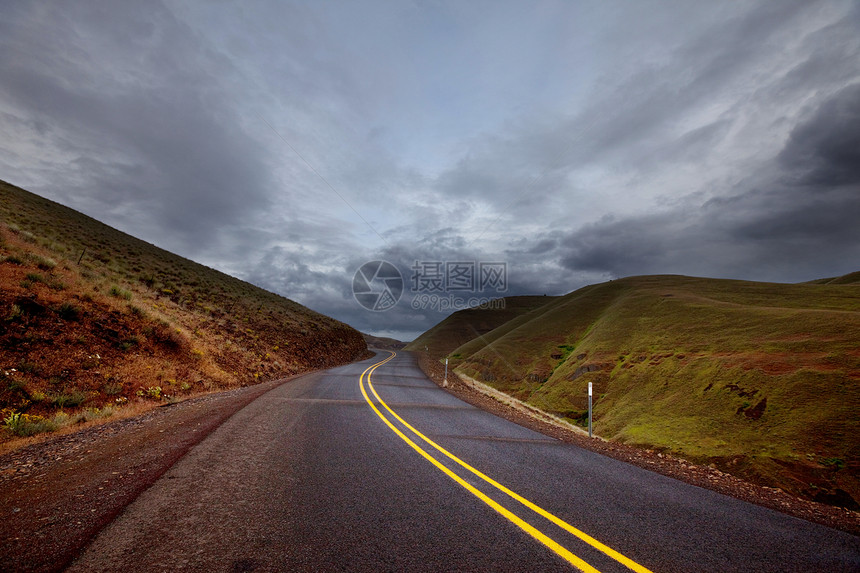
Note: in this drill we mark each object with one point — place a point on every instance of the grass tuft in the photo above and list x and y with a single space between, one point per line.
68 311
118 292
67 400
15 313
24 425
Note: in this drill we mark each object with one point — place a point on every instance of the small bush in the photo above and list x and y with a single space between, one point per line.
68 311
14 313
16 385
835 463
153 392
43 263
118 292
136 311
12 260
28 367
46 264
168 337
27 425
90 414
113 388
71 399
35 278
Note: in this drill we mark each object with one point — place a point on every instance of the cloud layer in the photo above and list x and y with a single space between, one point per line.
288 143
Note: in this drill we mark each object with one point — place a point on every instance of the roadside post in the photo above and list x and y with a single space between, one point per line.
589 408
445 383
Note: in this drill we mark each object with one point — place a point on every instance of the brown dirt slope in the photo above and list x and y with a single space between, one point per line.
92 319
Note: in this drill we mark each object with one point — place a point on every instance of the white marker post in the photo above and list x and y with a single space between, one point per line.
445 383
589 409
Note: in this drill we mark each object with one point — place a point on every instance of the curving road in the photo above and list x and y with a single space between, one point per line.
372 467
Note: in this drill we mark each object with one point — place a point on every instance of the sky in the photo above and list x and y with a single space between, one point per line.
483 149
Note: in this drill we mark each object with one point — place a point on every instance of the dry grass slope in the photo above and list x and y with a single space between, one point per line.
92 319
759 379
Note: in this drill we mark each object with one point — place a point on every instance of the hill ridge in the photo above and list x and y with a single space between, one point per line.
93 319
720 371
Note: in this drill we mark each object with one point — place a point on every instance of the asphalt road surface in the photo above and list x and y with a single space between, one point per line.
363 469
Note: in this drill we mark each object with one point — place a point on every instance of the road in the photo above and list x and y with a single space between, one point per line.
363 468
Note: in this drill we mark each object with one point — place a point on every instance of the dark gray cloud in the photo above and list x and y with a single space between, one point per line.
651 116
824 151
148 133
798 223
287 143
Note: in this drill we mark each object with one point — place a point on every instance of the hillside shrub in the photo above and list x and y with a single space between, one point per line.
118 292
27 425
14 313
70 399
68 311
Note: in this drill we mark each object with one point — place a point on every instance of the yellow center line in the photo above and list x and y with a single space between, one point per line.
626 561
546 540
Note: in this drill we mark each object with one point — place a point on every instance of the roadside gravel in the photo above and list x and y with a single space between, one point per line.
56 495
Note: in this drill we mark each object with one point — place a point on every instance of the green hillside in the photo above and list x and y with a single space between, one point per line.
473 324
92 318
760 379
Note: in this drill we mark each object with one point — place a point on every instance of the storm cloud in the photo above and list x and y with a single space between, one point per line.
289 143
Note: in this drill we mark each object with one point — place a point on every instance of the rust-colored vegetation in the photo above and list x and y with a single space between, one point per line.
93 320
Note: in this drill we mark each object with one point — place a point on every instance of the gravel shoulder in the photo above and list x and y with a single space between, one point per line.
683 470
56 495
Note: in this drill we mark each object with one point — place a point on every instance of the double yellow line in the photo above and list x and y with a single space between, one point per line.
516 520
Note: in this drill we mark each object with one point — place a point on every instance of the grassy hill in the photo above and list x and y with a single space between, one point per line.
473 324
92 318
760 379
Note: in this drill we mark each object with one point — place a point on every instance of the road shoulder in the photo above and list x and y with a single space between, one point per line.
56 495
683 470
